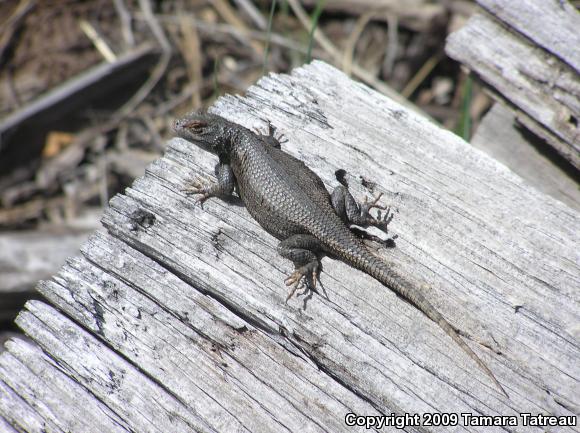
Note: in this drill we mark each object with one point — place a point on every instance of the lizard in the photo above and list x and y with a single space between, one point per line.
291 202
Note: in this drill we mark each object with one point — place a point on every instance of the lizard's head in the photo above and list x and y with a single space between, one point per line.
209 131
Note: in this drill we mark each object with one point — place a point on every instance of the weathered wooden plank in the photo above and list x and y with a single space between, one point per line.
26 257
29 256
61 101
102 75
466 225
5 426
55 398
186 305
553 25
500 136
544 89
16 412
140 402
203 354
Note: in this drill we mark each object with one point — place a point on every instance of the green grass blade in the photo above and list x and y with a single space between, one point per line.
314 20
463 128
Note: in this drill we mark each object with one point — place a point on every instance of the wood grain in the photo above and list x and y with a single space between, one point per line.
504 139
538 77
552 25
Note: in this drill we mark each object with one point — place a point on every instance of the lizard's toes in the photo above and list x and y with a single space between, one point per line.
196 186
295 277
382 220
306 275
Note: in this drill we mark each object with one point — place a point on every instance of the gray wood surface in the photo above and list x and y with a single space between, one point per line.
500 136
28 256
175 319
530 59
552 25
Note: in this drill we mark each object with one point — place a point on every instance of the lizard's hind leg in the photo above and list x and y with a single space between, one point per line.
301 250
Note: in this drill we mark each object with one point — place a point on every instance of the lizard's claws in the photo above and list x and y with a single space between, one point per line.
197 186
281 138
381 221
373 204
305 276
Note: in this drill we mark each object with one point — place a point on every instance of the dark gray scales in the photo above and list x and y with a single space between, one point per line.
291 203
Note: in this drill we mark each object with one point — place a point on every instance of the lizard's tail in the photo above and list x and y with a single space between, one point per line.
379 270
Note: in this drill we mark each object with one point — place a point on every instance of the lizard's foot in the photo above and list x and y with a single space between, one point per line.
300 249
381 221
305 276
199 186
353 213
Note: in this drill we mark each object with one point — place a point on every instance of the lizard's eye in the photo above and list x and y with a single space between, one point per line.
196 125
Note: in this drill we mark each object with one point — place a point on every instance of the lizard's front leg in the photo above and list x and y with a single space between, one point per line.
224 187
301 250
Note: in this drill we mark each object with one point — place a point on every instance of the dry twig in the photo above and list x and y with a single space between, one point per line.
98 41
125 18
191 52
421 74
253 13
11 24
159 69
359 27
336 56
230 16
